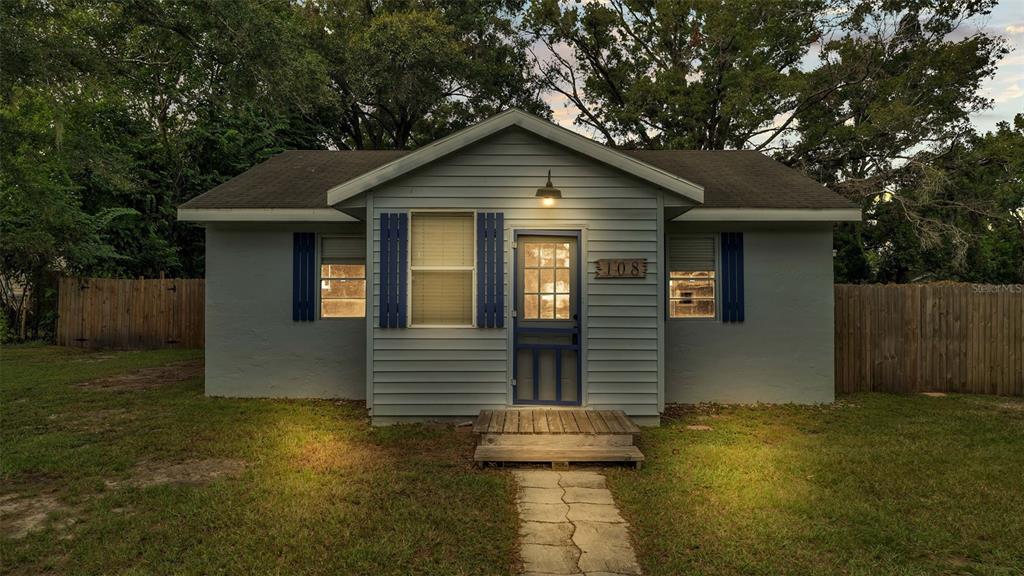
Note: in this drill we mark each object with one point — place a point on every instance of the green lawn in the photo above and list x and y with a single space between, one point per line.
308 486
876 484
150 477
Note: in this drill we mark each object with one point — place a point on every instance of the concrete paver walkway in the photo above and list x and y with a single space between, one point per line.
570 525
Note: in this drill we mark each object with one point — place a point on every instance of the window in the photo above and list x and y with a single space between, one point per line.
546 286
691 281
441 268
342 277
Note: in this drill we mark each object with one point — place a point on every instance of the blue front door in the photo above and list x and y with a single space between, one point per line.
546 323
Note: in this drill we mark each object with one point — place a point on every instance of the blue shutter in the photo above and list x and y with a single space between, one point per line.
490 270
403 270
499 278
732 277
394 269
481 267
303 276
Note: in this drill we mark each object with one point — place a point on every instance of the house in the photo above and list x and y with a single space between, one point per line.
516 263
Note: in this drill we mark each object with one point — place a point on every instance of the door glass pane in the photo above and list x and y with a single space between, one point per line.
530 277
562 255
547 306
532 310
547 255
562 307
547 280
532 255
562 281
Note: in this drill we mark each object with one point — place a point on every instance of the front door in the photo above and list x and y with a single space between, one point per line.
546 324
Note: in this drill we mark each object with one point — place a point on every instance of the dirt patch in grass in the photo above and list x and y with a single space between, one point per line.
92 358
934 394
188 472
146 378
22 515
95 421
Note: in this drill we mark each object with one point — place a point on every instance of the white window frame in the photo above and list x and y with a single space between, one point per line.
718 280
411 268
319 278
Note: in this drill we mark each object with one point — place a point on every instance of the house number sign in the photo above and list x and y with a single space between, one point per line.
622 268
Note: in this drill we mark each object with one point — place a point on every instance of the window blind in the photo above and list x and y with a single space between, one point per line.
442 297
691 253
341 249
442 239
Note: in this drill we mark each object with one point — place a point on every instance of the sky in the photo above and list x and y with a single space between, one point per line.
1005 88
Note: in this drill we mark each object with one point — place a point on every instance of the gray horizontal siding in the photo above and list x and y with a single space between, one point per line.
421 372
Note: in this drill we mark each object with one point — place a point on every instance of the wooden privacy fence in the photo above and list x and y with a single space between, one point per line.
125 313
930 338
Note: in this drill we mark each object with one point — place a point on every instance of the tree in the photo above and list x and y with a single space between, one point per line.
44 229
404 73
864 96
138 105
967 223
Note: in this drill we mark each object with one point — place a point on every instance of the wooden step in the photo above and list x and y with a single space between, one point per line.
559 455
553 421
556 440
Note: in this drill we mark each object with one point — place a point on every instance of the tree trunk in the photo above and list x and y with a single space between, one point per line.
24 312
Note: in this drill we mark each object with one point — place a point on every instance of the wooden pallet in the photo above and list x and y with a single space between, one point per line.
556 436
554 422
557 456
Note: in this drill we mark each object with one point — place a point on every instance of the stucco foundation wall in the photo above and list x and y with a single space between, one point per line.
253 348
783 351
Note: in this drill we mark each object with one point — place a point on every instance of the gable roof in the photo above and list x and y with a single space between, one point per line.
297 184
514 117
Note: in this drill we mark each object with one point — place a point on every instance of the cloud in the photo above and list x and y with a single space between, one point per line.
1008 93
1015 29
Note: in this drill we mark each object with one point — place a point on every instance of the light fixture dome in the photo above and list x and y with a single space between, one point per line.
548 193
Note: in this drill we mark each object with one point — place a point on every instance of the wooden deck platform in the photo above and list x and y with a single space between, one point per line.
554 422
556 436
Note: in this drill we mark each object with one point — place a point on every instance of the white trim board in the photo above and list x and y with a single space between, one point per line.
770 215
530 123
263 215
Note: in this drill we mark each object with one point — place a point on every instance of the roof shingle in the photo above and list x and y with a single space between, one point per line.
731 179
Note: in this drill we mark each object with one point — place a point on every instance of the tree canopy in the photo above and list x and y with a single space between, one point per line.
112 113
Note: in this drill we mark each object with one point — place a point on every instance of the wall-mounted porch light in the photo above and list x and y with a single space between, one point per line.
548 194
